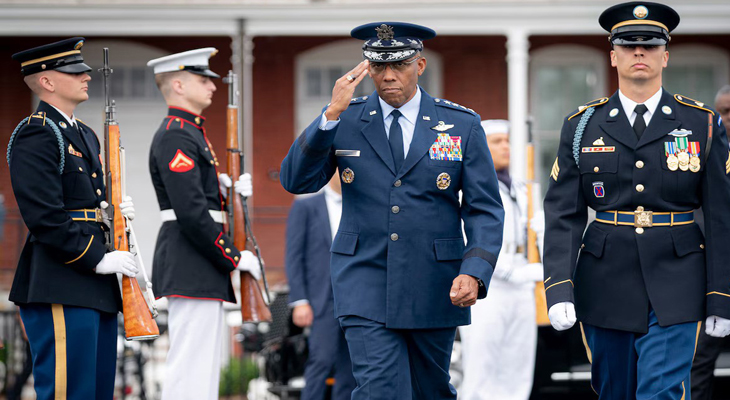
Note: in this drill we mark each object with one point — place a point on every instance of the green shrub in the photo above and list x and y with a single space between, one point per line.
236 375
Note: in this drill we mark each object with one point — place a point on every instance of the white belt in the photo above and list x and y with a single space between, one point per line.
169 215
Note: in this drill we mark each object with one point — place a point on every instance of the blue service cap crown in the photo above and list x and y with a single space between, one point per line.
391 41
63 56
639 23
194 61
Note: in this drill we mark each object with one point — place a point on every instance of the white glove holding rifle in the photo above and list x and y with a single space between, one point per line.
243 186
249 263
121 262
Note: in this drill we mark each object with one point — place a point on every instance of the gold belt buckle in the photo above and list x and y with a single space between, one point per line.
99 218
643 219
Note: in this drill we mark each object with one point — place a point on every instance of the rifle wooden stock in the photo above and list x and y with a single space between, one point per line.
138 322
253 306
533 254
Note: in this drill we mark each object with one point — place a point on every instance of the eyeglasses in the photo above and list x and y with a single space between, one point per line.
400 66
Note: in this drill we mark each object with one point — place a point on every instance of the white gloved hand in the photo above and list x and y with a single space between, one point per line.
562 315
224 182
249 263
527 273
122 262
717 326
126 207
244 185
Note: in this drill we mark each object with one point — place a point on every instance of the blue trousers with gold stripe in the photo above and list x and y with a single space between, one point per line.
655 365
74 351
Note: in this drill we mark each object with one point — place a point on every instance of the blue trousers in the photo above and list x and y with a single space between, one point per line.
655 365
327 352
74 351
399 364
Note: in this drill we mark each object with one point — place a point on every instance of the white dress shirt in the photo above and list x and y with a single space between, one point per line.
629 105
71 120
407 120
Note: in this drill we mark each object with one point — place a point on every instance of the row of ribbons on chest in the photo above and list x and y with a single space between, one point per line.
683 155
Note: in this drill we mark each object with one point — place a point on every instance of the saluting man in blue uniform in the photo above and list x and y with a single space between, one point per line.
642 276
65 284
401 275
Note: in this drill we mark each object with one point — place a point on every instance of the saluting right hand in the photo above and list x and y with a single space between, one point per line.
122 262
344 89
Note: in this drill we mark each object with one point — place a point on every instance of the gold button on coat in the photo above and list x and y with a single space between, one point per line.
395 209
394 237
639 164
228 251
397 183
221 241
98 192
702 246
640 188
81 169
93 175
640 230
596 169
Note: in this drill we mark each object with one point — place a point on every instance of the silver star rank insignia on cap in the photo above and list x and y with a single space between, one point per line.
442 126
385 32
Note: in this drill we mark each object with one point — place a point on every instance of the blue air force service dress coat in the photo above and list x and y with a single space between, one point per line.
193 256
621 267
399 244
57 178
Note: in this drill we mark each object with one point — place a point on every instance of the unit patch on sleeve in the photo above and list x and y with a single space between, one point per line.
181 162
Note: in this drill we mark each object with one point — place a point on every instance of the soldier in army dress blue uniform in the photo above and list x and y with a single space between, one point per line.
65 284
642 275
402 277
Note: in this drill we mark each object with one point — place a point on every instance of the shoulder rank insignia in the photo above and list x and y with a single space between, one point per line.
181 162
442 126
454 106
692 103
592 103
356 100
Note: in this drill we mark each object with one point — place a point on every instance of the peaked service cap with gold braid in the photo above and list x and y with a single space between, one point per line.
639 23
64 56
391 41
193 61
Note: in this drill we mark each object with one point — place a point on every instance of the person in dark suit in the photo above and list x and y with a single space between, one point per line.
642 276
194 257
402 277
65 284
708 347
311 225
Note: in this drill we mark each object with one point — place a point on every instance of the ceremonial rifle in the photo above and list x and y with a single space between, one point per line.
253 306
533 254
138 313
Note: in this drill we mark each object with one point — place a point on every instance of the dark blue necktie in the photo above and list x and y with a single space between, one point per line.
395 137
639 123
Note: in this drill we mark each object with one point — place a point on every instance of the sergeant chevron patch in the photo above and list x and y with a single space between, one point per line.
556 170
727 164
181 162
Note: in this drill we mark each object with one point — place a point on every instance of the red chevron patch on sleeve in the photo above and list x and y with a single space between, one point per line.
181 162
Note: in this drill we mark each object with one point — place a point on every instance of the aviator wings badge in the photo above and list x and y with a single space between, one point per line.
442 126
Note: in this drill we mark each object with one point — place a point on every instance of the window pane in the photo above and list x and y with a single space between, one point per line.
137 83
695 81
314 83
117 83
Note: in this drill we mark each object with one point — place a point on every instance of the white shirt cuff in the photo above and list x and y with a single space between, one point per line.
298 303
326 125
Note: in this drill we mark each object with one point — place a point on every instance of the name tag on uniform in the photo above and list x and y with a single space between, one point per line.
599 149
347 153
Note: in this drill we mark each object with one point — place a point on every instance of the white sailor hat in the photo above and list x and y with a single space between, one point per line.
194 61
493 126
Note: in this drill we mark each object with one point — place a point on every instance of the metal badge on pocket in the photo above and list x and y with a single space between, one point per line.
347 153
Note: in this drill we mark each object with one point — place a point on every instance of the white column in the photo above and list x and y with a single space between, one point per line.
517 77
